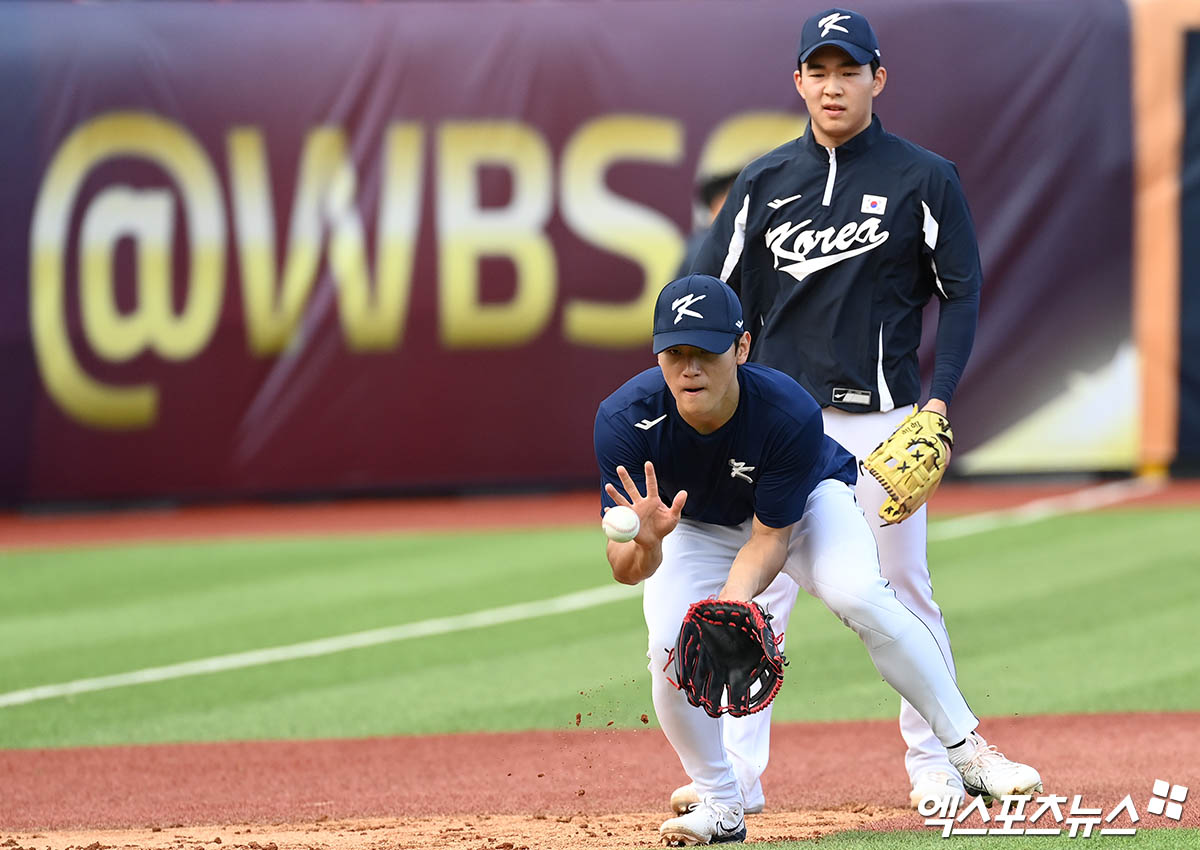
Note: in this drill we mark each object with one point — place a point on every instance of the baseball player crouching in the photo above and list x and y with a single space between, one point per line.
728 467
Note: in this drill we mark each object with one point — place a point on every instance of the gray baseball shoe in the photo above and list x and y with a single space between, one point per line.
987 773
685 798
709 822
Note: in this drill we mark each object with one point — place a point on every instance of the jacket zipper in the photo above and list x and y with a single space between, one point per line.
830 178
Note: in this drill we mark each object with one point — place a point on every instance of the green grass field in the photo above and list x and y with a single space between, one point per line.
1034 611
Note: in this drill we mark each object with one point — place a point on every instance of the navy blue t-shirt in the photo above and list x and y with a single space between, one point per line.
764 462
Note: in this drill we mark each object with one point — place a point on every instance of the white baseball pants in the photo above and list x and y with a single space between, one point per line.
832 556
902 561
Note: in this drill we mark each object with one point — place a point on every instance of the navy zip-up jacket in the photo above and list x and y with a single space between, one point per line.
834 253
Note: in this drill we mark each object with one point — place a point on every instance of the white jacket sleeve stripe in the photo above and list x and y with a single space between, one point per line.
930 227
737 241
931 235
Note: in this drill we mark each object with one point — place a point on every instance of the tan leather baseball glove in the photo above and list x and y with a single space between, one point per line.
910 463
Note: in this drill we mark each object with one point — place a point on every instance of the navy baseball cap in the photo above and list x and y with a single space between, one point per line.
697 310
842 28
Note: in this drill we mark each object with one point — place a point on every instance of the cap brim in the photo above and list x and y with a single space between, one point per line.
717 342
862 57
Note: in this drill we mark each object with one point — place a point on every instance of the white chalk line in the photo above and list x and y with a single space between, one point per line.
1087 499
1078 501
328 646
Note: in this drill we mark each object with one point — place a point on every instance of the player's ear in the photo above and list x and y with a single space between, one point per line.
879 82
797 76
742 348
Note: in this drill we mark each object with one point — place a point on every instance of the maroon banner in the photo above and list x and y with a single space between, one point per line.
268 248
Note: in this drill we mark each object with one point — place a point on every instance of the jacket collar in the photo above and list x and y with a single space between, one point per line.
851 148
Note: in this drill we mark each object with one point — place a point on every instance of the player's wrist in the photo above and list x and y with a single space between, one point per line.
736 592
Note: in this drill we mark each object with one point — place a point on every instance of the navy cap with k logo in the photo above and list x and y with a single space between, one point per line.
842 28
697 310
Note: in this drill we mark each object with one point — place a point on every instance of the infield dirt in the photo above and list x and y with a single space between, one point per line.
46 529
593 789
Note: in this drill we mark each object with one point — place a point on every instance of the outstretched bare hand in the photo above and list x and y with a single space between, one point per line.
658 519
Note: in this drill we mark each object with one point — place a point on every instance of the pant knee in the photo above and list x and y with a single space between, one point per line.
869 606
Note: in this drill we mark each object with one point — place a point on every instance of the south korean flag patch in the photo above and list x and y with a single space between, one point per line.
874 204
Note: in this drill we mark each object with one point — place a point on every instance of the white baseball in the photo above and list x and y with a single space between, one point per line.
621 524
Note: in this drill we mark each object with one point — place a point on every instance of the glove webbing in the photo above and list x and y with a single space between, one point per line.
919 470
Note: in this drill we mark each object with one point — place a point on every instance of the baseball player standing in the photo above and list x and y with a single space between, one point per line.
734 480
835 241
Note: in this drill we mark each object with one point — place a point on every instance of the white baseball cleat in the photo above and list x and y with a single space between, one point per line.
936 785
709 822
685 798
987 773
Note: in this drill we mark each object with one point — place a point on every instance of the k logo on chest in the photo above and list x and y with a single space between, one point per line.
738 469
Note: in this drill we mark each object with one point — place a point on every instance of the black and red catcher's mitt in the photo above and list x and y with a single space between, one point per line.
727 658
